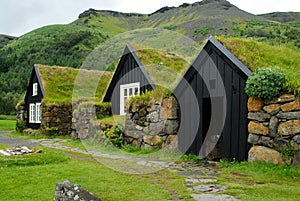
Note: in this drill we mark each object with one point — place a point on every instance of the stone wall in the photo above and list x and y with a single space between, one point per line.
69 191
152 125
274 129
84 122
56 118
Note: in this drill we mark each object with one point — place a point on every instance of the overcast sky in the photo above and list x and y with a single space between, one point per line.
18 17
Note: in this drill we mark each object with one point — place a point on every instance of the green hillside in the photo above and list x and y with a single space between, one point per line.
68 45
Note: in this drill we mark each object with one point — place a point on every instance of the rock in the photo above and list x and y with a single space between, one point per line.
155 140
153 117
169 109
253 139
171 126
134 133
289 107
272 109
156 128
284 98
290 127
213 197
171 143
266 141
193 181
296 159
264 154
257 128
273 126
289 115
212 188
259 116
296 138
69 191
254 104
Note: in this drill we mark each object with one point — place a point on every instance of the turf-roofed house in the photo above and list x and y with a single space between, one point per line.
213 105
51 92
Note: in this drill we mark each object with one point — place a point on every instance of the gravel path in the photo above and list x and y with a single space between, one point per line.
201 177
16 141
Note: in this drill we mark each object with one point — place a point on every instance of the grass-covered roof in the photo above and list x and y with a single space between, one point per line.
256 55
164 68
64 84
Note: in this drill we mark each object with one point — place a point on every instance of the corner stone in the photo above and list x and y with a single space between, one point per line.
264 154
254 104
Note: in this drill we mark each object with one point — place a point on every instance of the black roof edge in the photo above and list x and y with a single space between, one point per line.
34 70
39 79
189 72
128 50
231 57
150 81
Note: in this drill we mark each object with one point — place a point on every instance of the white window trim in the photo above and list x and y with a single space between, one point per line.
127 86
32 113
35 89
38 115
35 113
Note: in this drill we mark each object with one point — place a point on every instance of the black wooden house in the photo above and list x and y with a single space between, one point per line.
130 78
33 99
213 104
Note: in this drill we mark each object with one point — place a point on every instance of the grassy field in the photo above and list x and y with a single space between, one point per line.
7 124
34 177
261 181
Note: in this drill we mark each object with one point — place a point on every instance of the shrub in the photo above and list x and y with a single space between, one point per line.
20 126
115 135
265 83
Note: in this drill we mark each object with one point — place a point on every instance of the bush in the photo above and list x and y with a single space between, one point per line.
115 135
20 126
265 83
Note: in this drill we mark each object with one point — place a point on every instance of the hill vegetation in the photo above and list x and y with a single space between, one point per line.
68 45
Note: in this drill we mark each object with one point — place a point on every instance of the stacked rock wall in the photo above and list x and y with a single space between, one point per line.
56 118
84 122
153 125
274 129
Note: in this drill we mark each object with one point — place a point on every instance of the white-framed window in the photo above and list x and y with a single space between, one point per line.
35 89
38 116
35 113
127 91
32 113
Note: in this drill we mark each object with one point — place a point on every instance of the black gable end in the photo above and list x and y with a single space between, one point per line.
213 88
129 70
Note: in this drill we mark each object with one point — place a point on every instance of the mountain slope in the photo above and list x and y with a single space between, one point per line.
68 45
283 16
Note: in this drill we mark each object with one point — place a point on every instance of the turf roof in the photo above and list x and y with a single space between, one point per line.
62 84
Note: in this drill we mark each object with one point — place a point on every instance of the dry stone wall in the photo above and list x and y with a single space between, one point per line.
85 124
274 129
153 125
56 118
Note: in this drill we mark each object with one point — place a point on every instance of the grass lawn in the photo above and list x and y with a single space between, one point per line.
7 124
34 177
261 181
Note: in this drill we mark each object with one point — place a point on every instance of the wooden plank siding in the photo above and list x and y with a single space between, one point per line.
204 83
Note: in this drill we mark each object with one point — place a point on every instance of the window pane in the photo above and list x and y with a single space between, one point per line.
125 92
130 92
136 91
